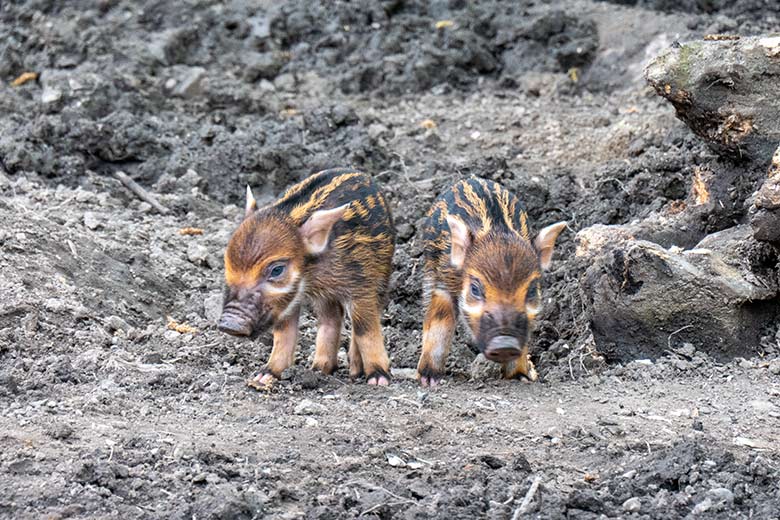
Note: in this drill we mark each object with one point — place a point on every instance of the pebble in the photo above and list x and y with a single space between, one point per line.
171 335
308 407
212 307
263 65
197 254
632 505
189 84
50 95
481 368
721 496
114 323
91 221
375 130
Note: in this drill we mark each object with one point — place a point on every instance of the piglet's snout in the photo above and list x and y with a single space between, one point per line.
234 324
502 349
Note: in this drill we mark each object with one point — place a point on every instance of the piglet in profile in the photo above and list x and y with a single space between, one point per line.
329 240
482 266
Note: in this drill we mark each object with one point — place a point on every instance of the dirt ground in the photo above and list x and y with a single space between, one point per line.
107 413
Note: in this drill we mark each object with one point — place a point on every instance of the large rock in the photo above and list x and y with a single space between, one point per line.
640 296
727 91
765 212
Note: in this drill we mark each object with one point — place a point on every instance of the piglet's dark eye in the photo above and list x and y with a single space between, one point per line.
276 271
476 290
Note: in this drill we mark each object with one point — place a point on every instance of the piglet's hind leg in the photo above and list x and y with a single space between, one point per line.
330 317
367 338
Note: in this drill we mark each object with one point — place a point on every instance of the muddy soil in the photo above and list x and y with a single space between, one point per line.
105 412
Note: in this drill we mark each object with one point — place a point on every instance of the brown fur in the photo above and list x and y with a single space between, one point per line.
346 271
477 233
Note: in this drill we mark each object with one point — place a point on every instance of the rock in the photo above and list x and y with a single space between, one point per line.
59 431
481 368
726 92
720 497
212 307
88 360
262 65
189 84
284 82
197 253
765 212
91 221
50 95
774 367
171 335
702 507
638 294
632 505
114 323
308 407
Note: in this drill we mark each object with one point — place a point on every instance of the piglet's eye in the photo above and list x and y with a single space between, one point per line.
533 301
276 271
476 290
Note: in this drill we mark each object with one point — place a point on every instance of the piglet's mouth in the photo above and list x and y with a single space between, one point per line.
502 349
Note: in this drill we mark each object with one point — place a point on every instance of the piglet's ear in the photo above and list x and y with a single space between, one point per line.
460 236
316 230
251 203
545 242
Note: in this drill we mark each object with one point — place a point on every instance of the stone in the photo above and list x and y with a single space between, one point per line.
91 221
632 505
765 211
212 307
308 407
197 253
189 84
641 296
774 367
114 323
262 65
50 95
726 92
482 368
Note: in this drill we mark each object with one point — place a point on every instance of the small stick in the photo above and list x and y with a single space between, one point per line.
524 505
669 339
139 192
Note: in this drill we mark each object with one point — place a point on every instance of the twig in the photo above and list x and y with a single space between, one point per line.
405 400
374 508
139 192
526 503
669 339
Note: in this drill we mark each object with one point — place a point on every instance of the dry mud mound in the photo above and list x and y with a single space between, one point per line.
118 397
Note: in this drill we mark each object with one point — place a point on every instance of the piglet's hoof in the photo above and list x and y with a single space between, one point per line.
429 381
262 381
379 378
429 378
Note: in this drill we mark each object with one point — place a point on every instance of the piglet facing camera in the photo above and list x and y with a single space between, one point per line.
482 266
328 240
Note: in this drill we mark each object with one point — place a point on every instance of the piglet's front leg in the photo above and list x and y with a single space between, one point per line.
438 329
520 368
282 354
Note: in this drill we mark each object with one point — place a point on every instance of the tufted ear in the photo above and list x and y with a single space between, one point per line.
460 237
316 230
251 203
545 242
